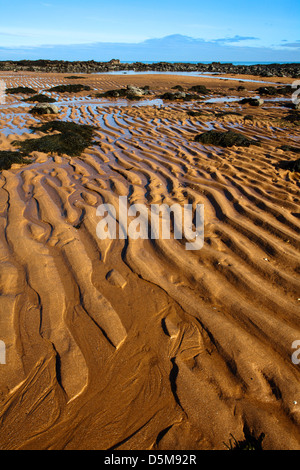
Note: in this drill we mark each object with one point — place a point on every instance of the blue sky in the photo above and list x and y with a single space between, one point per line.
32 29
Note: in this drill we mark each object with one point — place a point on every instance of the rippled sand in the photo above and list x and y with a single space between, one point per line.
140 344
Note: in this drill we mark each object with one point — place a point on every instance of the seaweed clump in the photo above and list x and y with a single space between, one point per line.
20 90
73 88
74 77
228 113
225 139
70 138
119 93
130 92
289 148
8 158
249 443
252 101
195 113
177 87
40 99
201 89
293 117
180 95
293 165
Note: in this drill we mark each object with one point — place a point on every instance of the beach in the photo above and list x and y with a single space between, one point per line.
123 344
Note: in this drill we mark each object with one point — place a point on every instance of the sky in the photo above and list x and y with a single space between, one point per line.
163 29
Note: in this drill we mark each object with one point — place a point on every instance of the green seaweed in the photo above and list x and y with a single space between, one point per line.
73 88
177 87
293 165
118 93
8 158
20 90
249 443
40 99
289 148
72 139
195 113
225 139
74 77
293 117
228 113
201 89
177 96
248 117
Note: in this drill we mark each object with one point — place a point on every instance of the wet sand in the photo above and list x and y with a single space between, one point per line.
140 344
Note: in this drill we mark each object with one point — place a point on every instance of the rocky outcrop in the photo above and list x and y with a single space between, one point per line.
130 92
45 108
263 70
275 91
179 95
252 101
136 92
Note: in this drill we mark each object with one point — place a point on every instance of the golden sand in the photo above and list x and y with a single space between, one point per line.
140 344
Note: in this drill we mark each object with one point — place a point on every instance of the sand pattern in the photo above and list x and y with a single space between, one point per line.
141 344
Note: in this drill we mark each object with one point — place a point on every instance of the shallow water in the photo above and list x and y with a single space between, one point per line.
105 103
214 75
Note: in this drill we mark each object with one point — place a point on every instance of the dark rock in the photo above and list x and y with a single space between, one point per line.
179 95
122 92
130 92
252 101
293 117
136 92
44 108
274 91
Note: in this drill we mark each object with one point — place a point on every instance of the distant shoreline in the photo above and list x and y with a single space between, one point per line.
59 66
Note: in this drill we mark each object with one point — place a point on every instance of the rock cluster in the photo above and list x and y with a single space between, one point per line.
252 101
130 92
60 66
45 108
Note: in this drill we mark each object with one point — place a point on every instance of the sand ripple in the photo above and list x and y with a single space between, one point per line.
123 344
